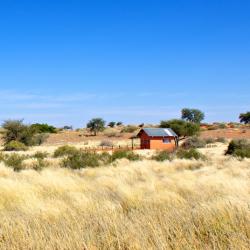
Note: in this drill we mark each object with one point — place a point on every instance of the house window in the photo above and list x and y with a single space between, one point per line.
166 141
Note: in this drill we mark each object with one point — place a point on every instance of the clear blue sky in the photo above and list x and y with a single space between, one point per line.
64 62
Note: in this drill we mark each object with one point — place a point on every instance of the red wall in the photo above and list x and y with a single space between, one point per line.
156 142
145 141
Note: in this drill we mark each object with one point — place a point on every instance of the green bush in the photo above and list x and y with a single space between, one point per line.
14 161
189 154
130 155
210 140
37 139
39 164
239 148
105 158
222 125
43 128
15 146
221 139
79 160
15 130
40 155
65 150
181 127
211 127
161 156
2 157
242 153
194 142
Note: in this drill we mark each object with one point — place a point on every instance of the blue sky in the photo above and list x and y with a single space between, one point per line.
64 62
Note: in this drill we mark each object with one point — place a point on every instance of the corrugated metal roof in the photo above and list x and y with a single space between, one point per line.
160 132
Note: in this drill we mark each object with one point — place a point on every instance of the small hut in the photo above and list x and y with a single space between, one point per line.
158 138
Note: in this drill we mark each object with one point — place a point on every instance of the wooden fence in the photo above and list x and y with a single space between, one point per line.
110 148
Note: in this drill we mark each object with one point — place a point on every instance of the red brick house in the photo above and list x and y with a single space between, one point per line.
158 138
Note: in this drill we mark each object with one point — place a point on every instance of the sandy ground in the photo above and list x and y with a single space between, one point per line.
230 133
79 138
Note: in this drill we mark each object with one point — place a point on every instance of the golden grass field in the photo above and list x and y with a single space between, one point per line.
183 204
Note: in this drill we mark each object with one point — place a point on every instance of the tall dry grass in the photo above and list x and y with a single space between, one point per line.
182 204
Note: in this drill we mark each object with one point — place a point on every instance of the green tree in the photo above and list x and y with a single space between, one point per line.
119 123
96 125
245 118
192 115
181 128
17 131
112 124
14 130
43 128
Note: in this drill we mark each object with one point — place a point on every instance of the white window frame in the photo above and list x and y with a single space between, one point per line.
166 141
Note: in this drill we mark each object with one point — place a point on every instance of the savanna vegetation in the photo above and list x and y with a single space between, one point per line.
74 198
202 204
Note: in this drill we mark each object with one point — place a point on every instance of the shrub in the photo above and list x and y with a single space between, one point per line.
105 158
14 161
240 148
65 150
15 146
242 153
189 154
2 156
15 130
210 140
106 143
194 142
40 155
221 139
129 129
112 133
181 127
211 127
36 139
222 125
39 164
161 156
79 160
130 155
43 128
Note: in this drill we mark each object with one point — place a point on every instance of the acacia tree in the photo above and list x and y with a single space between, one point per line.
192 115
14 130
112 124
17 131
245 118
181 128
119 123
96 125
